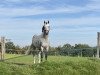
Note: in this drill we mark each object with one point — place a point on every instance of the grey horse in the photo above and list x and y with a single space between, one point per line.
40 43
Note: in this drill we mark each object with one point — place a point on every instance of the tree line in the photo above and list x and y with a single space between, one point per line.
83 50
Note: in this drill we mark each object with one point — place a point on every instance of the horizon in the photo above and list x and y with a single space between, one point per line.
71 21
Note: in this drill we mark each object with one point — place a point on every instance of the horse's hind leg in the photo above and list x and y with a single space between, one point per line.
34 53
34 59
34 56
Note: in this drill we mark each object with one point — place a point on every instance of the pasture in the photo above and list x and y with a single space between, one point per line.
56 65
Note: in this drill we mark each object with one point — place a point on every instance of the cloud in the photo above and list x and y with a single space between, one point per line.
76 22
13 0
93 5
25 0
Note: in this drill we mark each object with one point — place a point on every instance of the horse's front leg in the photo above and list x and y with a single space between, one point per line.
46 53
41 55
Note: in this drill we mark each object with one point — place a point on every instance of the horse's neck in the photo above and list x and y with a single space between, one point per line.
45 36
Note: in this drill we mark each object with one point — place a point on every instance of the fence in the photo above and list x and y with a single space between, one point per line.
84 52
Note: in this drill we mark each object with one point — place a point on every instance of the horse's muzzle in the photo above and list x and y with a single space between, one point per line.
46 32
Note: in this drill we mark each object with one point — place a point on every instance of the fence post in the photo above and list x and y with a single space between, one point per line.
98 44
2 47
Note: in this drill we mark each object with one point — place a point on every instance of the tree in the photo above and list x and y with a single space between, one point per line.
25 48
10 45
17 47
79 46
68 46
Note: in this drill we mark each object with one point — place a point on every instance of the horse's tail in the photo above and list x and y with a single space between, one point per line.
28 51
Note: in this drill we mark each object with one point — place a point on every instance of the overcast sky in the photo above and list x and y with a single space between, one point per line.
71 21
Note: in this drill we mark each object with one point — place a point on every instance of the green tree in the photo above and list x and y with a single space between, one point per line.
68 46
25 48
79 46
10 45
17 47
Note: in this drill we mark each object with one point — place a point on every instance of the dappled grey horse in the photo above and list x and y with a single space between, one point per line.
40 43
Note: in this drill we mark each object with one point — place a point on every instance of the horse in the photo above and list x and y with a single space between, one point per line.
40 43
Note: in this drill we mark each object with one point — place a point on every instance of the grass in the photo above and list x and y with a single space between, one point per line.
21 59
56 65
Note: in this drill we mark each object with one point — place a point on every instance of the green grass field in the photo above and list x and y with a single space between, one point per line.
56 65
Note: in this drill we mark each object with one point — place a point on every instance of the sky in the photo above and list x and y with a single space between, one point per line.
71 21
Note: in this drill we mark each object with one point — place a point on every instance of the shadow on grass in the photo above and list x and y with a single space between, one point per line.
16 63
16 57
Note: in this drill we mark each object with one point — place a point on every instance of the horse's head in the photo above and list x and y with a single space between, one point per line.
46 28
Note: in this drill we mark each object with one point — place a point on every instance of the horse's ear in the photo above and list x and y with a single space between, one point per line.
44 22
48 22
